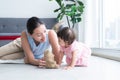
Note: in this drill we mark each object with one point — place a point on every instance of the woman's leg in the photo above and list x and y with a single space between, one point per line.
13 56
12 47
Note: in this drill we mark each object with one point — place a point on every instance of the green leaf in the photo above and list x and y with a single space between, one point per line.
80 8
80 3
75 20
68 6
58 17
61 16
56 10
59 2
73 9
69 13
77 15
71 0
78 20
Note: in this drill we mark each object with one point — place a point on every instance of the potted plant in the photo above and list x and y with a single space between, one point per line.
72 9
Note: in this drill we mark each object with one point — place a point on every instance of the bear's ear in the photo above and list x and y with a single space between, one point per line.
46 51
57 26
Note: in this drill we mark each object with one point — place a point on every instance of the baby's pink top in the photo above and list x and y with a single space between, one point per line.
83 54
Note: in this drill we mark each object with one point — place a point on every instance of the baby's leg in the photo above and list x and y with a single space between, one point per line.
13 56
12 47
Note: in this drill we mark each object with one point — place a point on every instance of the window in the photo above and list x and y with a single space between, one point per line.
102 24
111 24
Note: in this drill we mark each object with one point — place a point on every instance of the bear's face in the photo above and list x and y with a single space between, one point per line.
49 58
48 55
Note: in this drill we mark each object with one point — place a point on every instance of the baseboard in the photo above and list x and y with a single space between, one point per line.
109 54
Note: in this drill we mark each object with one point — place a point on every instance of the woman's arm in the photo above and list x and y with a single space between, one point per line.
29 57
61 56
55 45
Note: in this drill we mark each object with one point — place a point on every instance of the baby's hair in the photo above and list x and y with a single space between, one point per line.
67 34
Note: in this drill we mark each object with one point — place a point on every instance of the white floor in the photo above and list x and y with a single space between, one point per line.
98 69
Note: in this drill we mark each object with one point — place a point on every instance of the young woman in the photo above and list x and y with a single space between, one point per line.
77 53
34 41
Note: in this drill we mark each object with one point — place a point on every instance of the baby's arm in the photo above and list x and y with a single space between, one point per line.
74 58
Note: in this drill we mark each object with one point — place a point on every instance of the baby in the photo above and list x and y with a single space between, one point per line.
77 53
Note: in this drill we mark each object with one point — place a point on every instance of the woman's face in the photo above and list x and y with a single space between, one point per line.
63 43
39 34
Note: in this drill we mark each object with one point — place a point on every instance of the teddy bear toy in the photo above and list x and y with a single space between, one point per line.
58 26
50 62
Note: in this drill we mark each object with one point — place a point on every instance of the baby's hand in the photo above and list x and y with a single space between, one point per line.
68 67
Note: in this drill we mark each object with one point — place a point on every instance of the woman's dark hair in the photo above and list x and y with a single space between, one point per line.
33 23
67 34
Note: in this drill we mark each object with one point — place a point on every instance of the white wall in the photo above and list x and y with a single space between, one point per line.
27 8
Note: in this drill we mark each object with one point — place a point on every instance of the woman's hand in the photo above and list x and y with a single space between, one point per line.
42 63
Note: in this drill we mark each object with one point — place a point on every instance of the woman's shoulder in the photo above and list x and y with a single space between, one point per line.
51 33
52 36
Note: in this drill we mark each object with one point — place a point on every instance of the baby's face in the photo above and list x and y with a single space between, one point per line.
63 43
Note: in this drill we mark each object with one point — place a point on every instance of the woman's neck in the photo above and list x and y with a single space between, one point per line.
36 43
